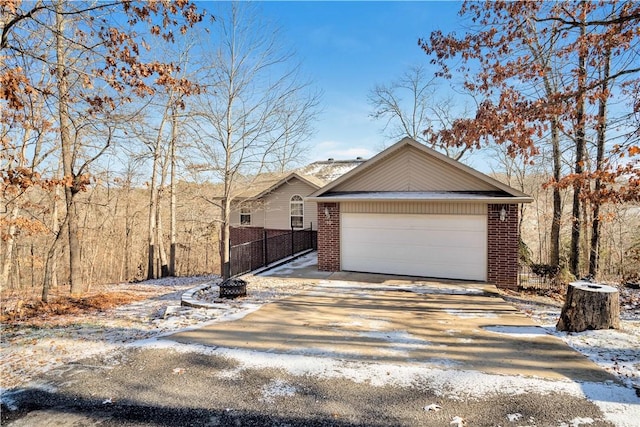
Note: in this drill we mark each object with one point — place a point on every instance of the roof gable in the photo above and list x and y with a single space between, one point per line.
311 182
412 167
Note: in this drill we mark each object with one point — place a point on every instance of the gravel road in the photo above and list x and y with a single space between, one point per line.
163 387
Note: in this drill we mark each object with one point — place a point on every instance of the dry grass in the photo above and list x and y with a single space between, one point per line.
15 310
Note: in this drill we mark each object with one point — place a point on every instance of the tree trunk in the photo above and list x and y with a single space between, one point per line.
554 255
574 255
224 240
66 142
151 232
55 227
589 306
162 253
164 266
9 244
594 250
50 268
172 189
154 199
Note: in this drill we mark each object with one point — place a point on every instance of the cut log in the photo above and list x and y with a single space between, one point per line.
589 306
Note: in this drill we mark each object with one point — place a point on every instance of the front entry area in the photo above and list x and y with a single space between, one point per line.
442 246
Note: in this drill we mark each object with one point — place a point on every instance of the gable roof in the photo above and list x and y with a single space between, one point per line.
412 171
309 180
316 175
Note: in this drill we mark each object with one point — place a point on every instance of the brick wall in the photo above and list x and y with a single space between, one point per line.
503 246
329 237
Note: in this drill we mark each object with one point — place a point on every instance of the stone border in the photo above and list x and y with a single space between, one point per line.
187 299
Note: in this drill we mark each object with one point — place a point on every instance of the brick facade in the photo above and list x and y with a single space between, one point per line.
329 237
503 242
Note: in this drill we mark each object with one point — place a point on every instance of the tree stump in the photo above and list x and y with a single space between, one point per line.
590 306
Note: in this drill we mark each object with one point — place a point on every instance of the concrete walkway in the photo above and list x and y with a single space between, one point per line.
459 325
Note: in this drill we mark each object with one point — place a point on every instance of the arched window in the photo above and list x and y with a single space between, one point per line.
296 210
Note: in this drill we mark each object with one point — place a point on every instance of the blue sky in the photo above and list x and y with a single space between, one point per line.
347 48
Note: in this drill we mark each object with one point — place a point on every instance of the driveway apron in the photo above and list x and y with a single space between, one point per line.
441 325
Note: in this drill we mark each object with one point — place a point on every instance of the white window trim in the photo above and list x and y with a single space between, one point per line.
301 203
245 211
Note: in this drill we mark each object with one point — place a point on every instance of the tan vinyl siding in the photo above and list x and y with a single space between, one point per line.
311 215
277 205
234 217
410 169
433 208
257 215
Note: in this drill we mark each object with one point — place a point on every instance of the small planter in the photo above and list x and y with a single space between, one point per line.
233 288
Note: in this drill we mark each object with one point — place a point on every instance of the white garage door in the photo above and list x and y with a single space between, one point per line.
443 246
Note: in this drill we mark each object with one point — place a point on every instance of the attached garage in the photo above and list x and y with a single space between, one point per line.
441 246
413 211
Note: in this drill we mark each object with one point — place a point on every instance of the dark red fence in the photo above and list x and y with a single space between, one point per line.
249 256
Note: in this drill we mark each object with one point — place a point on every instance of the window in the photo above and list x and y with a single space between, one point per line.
297 212
245 216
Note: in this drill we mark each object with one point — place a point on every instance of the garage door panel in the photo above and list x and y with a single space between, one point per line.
444 246
414 235
402 252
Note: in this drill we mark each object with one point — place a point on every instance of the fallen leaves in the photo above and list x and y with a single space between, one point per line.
36 313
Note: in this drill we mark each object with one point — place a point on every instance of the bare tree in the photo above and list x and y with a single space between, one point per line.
411 106
257 108
97 63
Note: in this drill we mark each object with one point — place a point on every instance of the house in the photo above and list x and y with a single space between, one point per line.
275 204
413 211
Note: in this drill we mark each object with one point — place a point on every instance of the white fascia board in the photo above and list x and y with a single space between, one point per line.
410 198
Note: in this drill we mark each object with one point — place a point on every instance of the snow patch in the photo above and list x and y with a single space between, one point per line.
576 422
401 342
304 261
517 331
277 388
417 288
514 417
464 314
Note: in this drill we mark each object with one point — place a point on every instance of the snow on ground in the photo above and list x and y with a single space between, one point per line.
617 351
619 404
26 352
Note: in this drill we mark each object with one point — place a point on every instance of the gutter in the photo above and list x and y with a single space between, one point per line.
490 200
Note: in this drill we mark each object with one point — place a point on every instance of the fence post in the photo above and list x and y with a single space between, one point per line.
292 241
264 247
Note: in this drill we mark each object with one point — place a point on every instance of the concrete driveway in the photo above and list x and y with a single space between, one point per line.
356 316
